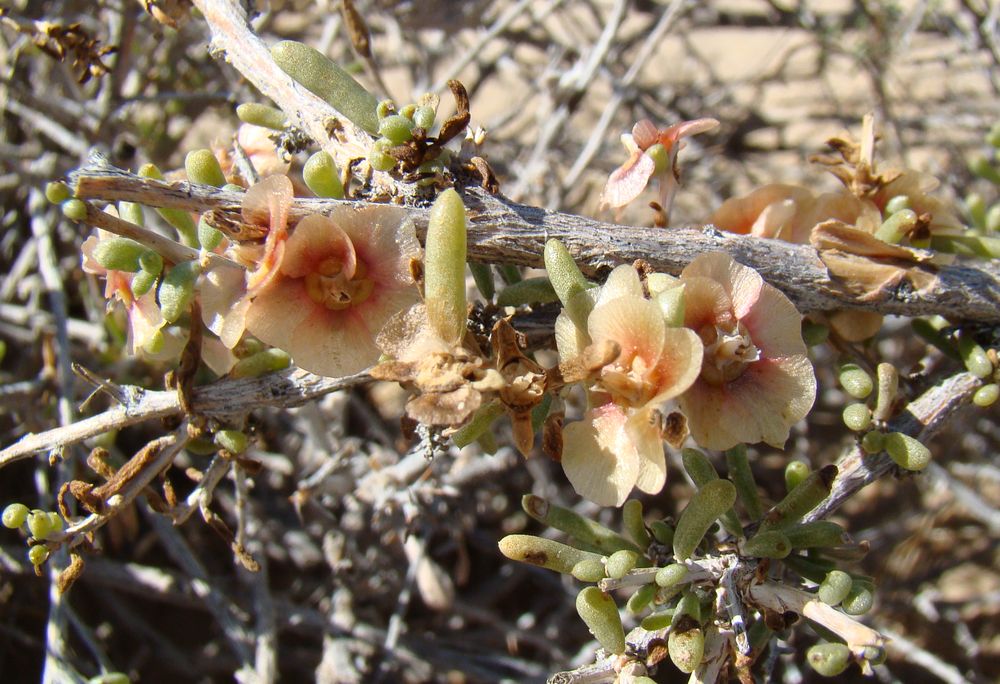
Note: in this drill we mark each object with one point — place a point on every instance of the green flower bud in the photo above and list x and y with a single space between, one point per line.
423 117
118 254
396 128
855 381
671 575
483 275
131 212
568 282
177 290
57 192
641 598
528 291
907 452
816 534
179 219
38 554
255 365
657 621
835 587
662 532
768 544
814 333
591 570
208 237
202 167
599 612
857 417
873 442
408 111
741 476
888 388
74 209
686 649
15 515
897 204
444 267
380 161
875 655
671 303
707 504
262 115
829 660
859 600
327 80
233 441
633 523
385 108
974 356
795 472
982 167
620 562
322 176
658 153
56 524
154 345
143 282
481 421
810 492
587 533
986 395
544 553
897 226
39 524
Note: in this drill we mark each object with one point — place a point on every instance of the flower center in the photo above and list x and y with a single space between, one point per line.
629 381
327 285
727 353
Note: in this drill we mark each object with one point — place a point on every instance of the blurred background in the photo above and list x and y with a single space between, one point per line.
554 83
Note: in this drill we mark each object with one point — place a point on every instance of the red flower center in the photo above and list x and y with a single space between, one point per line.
329 286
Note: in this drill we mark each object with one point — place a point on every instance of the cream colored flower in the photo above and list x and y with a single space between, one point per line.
756 380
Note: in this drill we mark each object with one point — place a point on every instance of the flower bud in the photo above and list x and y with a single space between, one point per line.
873 442
38 554
143 282
74 209
177 290
907 452
829 660
974 356
599 612
835 587
233 441
322 176
528 291
860 599
202 167
444 267
661 158
568 282
380 161
317 73
633 523
385 108
767 544
620 562
262 115
15 515
671 575
544 553
857 417
855 381
396 128
671 303
986 395
897 226
707 504
118 254
56 523
424 117
815 534
590 570
255 365
897 204
39 524
57 192
208 237
795 472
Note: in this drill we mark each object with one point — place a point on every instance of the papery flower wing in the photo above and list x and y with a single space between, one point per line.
570 340
635 324
628 181
649 448
740 214
144 320
334 343
599 456
384 239
278 309
685 129
679 366
268 203
222 292
315 239
774 324
623 281
644 135
706 304
740 282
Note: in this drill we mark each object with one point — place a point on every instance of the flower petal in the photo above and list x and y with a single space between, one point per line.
635 324
278 309
599 457
315 239
706 304
740 282
775 325
223 304
649 447
623 281
570 340
628 181
680 364
333 344
384 240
